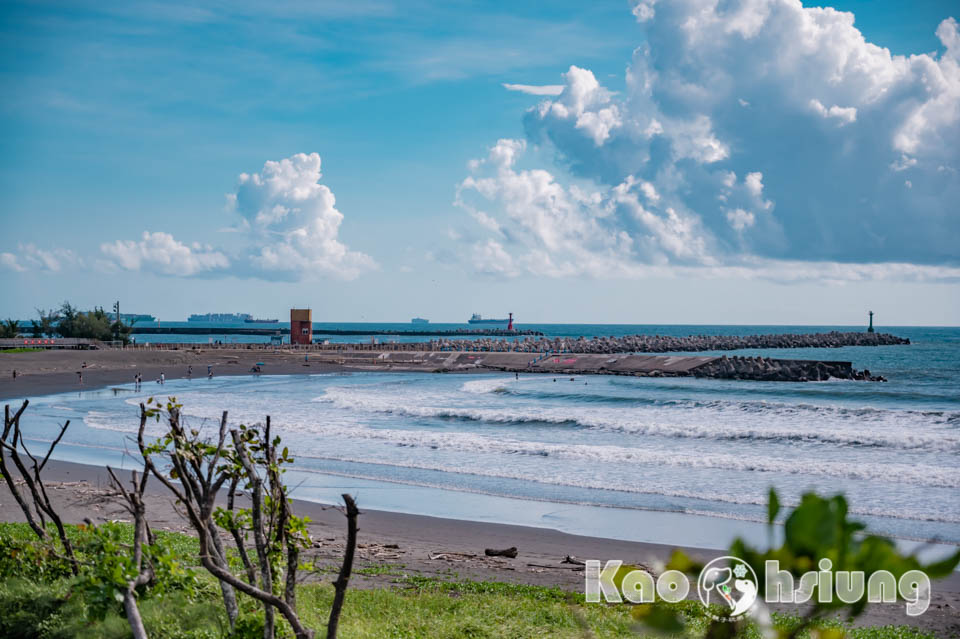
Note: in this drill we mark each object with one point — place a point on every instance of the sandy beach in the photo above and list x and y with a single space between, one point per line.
46 372
408 543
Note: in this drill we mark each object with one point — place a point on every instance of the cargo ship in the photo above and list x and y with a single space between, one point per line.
476 318
419 320
251 320
220 318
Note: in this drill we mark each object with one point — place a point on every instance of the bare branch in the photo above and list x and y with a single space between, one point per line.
340 585
54 444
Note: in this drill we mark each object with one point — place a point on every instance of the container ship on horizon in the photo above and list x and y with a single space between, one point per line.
476 318
221 318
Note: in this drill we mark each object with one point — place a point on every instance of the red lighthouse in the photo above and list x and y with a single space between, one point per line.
510 323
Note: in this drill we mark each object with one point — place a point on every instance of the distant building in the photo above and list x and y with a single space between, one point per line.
301 326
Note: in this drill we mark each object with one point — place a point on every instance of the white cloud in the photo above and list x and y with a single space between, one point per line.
545 228
754 183
740 219
845 115
295 223
29 257
903 163
585 105
160 253
535 89
9 262
288 221
831 117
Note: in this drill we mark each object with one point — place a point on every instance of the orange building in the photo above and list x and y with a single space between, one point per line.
301 326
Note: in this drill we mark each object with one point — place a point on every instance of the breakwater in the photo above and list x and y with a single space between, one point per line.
668 344
766 369
266 332
563 364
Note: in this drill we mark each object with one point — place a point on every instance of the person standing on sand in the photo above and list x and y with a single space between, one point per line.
163 378
190 372
80 377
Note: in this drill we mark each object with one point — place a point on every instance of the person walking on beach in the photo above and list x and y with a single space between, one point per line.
80 377
190 371
162 379
209 371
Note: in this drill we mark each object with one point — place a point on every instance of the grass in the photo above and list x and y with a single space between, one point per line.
183 546
373 570
415 607
19 350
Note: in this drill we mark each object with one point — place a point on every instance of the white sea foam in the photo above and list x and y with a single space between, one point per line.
774 424
600 454
758 498
503 429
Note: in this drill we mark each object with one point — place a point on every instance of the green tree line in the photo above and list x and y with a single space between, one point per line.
69 321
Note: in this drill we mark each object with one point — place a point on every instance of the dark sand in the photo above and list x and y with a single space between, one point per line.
46 372
429 546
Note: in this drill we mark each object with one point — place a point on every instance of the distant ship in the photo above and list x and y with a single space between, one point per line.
476 318
419 320
251 320
220 318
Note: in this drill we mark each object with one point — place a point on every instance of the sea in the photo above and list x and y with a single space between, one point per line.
681 461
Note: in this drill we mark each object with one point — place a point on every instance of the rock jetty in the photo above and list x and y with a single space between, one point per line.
781 370
661 343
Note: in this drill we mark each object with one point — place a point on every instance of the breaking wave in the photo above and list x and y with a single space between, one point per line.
681 419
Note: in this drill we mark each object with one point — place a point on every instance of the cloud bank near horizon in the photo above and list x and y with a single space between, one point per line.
754 136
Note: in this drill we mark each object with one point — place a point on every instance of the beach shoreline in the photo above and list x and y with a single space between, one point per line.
419 545
50 372
428 545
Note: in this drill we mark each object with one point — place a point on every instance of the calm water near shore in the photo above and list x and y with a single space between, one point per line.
596 455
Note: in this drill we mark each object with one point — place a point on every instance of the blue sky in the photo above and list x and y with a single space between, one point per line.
364 158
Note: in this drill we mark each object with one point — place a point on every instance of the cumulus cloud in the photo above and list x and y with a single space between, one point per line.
535 89
844 115
539 226
288 224
29 257
546 228
754 138
295 222
740 219
584 105
818 119
160 253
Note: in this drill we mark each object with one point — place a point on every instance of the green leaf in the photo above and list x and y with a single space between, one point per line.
773 506
943 567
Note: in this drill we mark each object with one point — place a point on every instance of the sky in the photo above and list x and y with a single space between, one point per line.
690 161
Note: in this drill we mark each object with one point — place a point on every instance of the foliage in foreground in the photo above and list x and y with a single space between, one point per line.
39 598
817 530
